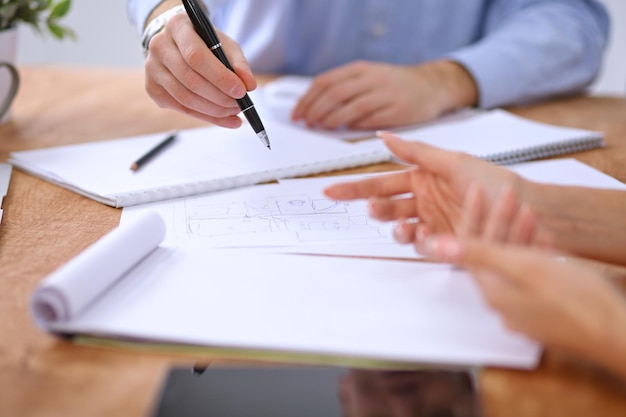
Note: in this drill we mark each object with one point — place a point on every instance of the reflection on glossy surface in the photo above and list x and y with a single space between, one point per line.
327 392
426 393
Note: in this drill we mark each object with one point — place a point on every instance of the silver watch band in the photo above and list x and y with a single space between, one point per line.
157 25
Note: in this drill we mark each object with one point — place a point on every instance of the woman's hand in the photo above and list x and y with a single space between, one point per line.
428 198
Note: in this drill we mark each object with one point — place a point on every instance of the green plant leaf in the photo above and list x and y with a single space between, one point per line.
56 30
60 9
38 14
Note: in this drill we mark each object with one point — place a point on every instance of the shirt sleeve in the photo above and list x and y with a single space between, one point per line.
532 49
138 11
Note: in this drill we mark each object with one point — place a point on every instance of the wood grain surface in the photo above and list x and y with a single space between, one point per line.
44 226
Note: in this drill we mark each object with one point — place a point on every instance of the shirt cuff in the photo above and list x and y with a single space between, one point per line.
138 12
496 73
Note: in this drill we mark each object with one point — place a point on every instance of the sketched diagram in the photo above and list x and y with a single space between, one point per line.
308 218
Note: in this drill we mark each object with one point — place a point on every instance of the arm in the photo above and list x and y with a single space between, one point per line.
138 11
528 49
584 221
548 47
160 8
587 222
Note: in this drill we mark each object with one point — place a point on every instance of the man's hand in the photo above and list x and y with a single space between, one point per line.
183 74
369 95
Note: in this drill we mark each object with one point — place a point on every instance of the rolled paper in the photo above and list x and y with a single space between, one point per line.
72 287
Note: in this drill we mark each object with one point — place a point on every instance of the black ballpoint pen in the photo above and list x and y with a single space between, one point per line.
153 152
199 18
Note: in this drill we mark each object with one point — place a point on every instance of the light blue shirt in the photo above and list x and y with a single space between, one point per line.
516 50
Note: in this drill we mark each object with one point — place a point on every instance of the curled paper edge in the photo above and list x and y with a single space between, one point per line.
61 295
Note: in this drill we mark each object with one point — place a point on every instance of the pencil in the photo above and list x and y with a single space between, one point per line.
153 152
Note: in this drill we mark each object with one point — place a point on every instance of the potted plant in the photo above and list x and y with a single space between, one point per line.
40 14
43 16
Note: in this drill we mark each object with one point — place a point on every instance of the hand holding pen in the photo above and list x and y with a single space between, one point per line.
183 74
200 20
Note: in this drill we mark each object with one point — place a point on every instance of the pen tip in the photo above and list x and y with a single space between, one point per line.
263 136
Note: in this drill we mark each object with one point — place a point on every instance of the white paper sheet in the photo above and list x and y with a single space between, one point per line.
65 293
376 310
294 216
198 161
505 138
271 215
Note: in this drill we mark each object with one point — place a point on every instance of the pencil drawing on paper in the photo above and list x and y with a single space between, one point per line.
309 218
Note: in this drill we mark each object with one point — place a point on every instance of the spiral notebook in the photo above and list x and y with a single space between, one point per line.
504 138
212 159
199 161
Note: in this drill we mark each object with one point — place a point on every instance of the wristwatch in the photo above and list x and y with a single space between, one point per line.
157 25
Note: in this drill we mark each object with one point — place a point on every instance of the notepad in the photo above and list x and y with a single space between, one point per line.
396 311
200 161
504 138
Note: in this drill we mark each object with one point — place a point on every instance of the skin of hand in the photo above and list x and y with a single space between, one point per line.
559 304
433 191
427 199
371 95
181 73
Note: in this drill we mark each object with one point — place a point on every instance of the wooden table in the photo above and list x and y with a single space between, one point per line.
44 226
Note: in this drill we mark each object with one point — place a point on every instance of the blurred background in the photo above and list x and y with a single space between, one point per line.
106 38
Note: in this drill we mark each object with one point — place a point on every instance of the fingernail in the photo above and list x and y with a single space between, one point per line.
238 91
400 233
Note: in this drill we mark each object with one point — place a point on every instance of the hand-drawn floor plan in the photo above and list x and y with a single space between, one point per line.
306 218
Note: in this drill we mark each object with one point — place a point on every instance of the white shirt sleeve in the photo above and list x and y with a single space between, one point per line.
138 11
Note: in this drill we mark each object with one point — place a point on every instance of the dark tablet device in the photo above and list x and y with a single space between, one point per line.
314 392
